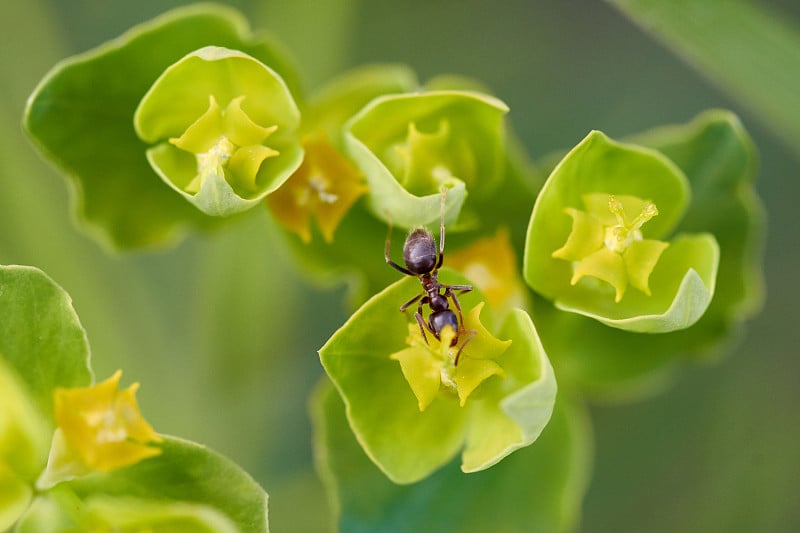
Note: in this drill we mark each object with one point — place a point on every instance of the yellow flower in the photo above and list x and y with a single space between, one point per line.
102 426
226 143
606 242
491 265
325 186
431 366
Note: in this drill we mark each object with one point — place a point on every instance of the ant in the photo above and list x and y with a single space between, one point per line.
422 262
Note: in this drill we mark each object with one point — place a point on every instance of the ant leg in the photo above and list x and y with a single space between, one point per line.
411 301
389 259
449 293
422 325
441 233
470 335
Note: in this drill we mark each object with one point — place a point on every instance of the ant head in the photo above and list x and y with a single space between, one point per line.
419 252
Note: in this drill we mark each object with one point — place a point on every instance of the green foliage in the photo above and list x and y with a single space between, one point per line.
537 488
764 75
639 255
409 437
612 245
81 117
185 487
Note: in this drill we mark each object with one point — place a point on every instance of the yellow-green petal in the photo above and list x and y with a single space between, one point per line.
640 259
244 165
585 238
241 129
483 344
422 372
203 133
472 372
604 265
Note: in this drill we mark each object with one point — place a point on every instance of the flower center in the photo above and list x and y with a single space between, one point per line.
620 236
216 158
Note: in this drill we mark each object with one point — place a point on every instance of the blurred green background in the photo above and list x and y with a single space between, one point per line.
222 332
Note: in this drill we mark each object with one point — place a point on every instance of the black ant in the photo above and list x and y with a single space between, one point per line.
422 262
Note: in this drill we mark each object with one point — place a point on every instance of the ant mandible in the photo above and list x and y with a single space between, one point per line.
422 262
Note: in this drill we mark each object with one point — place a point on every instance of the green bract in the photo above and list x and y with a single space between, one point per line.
81 117
601 240
718 159
224 124
412 411
537 488
42 346
409 146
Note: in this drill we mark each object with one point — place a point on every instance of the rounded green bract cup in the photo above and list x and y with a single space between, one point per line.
600 240
223 129
410 146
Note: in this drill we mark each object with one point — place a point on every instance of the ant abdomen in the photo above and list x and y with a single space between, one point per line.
440 319
419 251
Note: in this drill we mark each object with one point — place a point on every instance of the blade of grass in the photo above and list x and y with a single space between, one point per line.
746 49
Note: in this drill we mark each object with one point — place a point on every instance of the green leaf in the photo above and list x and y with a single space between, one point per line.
409 431
42 346
410 146
41 337
751 52
186 478
645 196
81 117
538 488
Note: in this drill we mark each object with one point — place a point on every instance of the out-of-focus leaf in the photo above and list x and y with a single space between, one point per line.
742 46
41 337
189 473
537 488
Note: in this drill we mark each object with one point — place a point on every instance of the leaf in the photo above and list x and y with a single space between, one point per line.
538 488
42 346
81 117
185 474
41 337
751 52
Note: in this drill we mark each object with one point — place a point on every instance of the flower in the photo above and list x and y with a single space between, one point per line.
491 264
324 187
223 128
413 405
605 220
430 364
607 244
410 146
99 429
